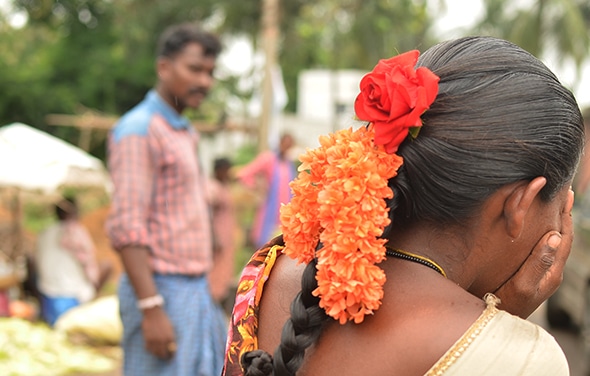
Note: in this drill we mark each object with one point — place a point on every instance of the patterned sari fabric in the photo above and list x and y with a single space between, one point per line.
243 331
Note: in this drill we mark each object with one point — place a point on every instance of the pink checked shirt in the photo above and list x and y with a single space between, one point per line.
159 199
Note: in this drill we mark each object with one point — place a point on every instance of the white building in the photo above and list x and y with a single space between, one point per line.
328 95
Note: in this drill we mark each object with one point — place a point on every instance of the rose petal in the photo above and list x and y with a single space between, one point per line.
394 96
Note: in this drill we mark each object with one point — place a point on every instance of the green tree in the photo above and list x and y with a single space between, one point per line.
96 54
558 25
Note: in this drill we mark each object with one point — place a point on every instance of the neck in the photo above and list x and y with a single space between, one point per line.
170 99
445 248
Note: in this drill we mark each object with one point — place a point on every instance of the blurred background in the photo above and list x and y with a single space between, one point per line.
70 68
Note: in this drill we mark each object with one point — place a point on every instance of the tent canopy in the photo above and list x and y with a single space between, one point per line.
34 160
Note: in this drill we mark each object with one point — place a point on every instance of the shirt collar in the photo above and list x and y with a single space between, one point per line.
173 118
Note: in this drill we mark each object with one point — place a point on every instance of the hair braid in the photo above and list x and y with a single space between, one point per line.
303 328
256 363
300 331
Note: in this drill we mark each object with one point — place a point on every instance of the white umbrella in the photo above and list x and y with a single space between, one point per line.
34 160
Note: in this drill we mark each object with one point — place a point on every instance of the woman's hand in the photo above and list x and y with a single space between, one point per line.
542 272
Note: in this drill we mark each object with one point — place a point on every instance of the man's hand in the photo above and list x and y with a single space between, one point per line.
158 333
542 272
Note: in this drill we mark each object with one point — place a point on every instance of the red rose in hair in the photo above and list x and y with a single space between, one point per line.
394 96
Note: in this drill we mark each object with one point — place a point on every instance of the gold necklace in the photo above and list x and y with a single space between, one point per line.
415 258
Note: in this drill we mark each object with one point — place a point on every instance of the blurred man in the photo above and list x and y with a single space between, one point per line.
159 221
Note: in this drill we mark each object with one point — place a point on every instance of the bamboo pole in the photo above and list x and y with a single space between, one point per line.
270 33
105 122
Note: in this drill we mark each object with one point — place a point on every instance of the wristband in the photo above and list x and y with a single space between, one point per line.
150 302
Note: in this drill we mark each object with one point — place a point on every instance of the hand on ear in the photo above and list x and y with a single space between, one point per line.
542 272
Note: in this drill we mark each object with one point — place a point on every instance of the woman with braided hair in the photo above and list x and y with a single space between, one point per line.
418 243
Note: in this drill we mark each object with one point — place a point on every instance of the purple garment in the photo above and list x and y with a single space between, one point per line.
277 174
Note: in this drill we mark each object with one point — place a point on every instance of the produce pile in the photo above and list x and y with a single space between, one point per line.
28 349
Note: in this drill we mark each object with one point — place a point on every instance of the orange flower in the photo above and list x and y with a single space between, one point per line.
338 199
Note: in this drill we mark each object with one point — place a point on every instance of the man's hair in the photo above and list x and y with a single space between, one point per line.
175 38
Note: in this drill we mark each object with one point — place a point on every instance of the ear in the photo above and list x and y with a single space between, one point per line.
162 68
519 202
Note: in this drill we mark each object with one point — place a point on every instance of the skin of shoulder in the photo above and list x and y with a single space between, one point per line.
421 317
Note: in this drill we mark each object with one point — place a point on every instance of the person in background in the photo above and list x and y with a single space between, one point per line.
275 169
224 228
66 268
159 220
418 243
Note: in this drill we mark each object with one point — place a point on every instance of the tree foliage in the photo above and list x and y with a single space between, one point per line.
560 26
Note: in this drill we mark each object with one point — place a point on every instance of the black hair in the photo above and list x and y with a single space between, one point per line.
221 163
500 116
66 208
175 38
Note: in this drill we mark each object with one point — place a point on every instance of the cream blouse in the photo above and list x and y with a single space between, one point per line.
499 343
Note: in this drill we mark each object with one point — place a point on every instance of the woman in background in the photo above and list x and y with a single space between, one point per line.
274 170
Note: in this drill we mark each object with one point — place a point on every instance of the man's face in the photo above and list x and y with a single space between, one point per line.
187 77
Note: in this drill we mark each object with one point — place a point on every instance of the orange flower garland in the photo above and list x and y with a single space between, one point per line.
339 195
338 199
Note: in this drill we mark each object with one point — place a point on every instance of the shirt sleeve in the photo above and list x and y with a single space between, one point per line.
131 169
